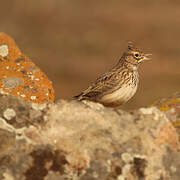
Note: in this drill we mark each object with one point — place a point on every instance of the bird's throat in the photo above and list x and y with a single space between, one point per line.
130 65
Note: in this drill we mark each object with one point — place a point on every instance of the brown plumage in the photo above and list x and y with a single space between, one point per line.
119 84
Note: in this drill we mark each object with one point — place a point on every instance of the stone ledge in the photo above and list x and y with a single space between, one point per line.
85 141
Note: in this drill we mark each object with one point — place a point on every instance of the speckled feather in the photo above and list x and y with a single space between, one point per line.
118 85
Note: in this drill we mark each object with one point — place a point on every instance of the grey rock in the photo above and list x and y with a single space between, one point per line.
71 140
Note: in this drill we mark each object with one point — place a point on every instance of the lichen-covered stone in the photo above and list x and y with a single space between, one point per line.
19 76
85 141
171 107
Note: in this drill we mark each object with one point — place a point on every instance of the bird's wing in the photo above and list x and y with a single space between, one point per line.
103 85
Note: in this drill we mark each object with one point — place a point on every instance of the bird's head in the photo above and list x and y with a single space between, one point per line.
135 56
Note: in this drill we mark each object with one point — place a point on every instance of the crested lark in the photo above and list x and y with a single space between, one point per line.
118 85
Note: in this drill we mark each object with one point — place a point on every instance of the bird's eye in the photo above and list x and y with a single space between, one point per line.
137 55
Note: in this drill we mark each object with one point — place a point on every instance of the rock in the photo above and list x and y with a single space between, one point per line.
19 76
84 141
72 140
171 107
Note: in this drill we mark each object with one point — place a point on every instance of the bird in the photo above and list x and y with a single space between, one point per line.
118 85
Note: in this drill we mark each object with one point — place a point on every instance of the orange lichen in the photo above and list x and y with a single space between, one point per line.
19 76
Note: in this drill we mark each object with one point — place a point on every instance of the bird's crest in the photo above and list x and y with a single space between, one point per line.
131 45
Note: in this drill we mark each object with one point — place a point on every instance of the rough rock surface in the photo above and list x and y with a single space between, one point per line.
19 76
71 140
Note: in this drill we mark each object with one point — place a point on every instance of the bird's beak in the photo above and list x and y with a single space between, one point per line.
146 58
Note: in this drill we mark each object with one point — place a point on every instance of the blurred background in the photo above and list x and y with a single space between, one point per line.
74 42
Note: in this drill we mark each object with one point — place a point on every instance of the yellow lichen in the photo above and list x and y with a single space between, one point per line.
167 104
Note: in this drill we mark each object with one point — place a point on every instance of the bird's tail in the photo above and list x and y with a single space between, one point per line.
78 97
